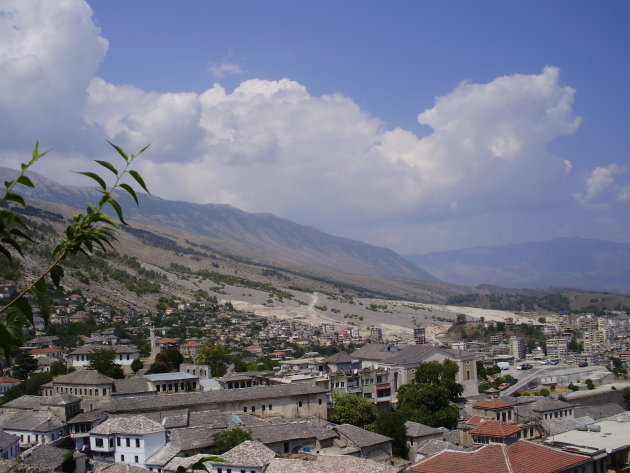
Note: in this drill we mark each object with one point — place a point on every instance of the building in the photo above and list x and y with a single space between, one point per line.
557 348
124 355
173 382
369 383
33 427
521 456
6 383
127 439
9 446
91 386
250 456
518 347
419 336
376 335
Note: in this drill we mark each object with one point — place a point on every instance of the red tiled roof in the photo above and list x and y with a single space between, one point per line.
477 420
519 457
165 340
495 403
8 379
41 351
191 343
494 428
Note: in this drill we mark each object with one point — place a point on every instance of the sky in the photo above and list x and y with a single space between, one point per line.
417 125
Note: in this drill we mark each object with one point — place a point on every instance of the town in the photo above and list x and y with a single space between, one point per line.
200 385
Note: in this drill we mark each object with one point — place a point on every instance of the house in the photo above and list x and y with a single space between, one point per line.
91 386
418 434
368 444
50 352
6 383
33 427
50 458
64 406
250 456
369 383
173 382
329 464
494 431
9 445
495 408
292 437
521 456
80 425
127 439
124 355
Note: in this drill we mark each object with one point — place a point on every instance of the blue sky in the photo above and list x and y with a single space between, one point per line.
417 125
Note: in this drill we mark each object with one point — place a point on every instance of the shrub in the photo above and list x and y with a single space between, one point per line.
573 387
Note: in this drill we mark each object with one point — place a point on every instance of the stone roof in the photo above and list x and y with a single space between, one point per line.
329 464
272 433
376 351
45 456
118 349
249 454
184 462
234 376
361 437
545 404
564 424
212 418
521 456
25 402
132 385
60 400
410 354
434 446
172 419
84 377
89 416
171 401
415 429
600 411
33 421
6 440
340 357
193 438
103 467
132 425
164 455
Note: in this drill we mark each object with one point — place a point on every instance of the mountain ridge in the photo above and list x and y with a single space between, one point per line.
570 262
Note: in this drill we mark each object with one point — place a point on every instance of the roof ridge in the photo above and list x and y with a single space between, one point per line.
506 458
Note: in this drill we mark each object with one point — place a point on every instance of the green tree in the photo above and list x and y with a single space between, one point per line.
136 365
626 398
351 409
31 386
102 360
429 398
590 384
174 357
216 357
24 365
88 231
392 424
227 439
58 367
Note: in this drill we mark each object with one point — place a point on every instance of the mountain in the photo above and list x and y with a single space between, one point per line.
234 230
562 262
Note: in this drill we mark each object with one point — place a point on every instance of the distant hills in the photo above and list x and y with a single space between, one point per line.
239 232
562 262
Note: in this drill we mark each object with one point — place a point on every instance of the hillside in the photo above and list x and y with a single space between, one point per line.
236 230
563 262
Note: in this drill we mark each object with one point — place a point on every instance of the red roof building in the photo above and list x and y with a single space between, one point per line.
519 457
494 403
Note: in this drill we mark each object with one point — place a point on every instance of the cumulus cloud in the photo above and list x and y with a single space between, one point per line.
600 180
269 145
220 70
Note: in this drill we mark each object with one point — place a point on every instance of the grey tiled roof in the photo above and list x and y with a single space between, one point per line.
163 455
272 433
548 404
258 393
133 385
184 462
410 354
436 446
249 454
25 402
60 400
375 351
329 464
340 357
600 411
212 419
415 429
44 456
88 377
118 349
6 440
192 438
171 419
132 425
102 467
234 376
33 421
89 416
361 437
565 424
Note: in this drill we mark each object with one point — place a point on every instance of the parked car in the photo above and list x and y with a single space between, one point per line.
582 364
526 366
544 362
554 362
513 381
504 386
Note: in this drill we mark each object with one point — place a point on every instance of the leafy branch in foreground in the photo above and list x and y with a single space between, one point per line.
89 231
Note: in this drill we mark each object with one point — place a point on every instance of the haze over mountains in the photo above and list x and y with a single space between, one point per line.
562 262
236 231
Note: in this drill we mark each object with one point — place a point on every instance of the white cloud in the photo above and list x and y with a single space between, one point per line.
220 70
272 146
599 181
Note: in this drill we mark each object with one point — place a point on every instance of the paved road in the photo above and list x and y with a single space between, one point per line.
524 377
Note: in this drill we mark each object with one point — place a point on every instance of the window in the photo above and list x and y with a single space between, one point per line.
299 403
137 443
135 459
122 458
98 443
245 409
269 406
118 441
253 408
319 401
128 442
263 407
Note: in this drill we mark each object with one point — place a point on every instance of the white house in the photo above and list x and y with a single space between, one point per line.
124 355
33 427
9 446
129 439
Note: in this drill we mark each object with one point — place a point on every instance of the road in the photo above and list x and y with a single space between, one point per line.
524 377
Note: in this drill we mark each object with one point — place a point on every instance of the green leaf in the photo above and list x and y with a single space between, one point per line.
118 210
120 151
25 181
108 166
6 253
136 175
141 151
7 239
24 307
96 177
129 189
10 196
6 340
56 273
8 184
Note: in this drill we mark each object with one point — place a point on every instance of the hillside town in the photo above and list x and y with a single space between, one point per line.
97 389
